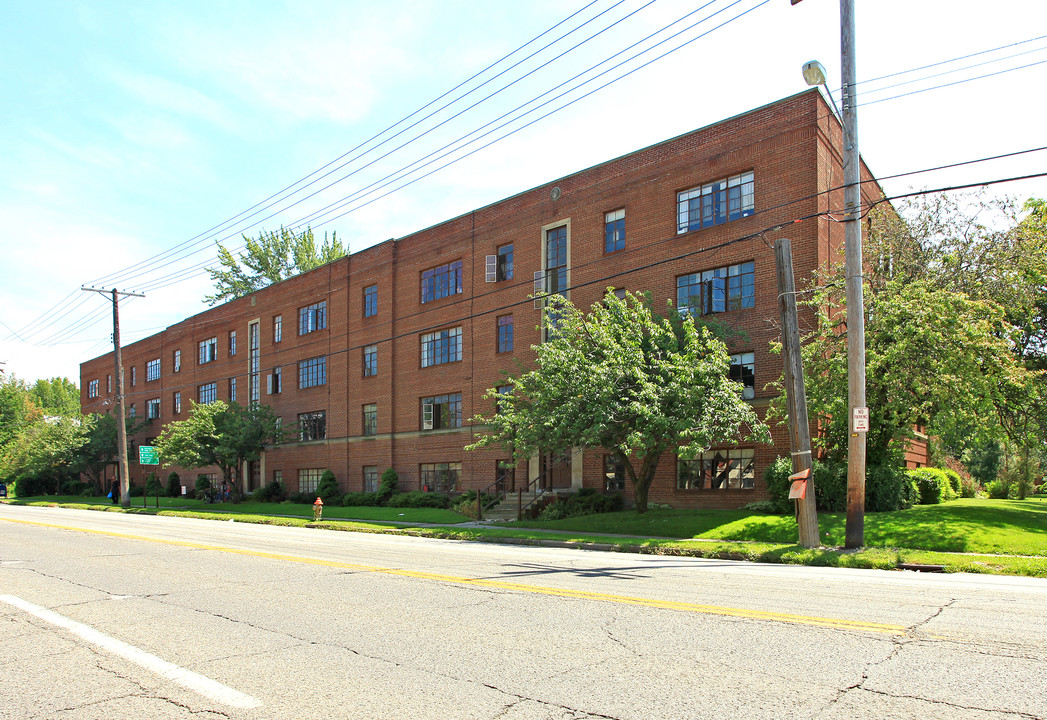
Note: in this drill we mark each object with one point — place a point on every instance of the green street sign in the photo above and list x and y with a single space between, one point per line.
147 455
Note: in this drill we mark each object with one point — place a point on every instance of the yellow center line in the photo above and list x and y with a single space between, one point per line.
772 616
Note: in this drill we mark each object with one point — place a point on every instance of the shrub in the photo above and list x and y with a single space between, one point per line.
998 490
887 488
136 490
418 499
389 486
273 492
152 485
75 487
586 501
465 504
968 487
933 484
766 507
174 485
28 486
302 498
328 489
830 482
203 488
359 499
955 481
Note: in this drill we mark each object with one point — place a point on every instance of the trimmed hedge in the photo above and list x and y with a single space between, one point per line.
933 485
886 488
419 499
359 499
586 501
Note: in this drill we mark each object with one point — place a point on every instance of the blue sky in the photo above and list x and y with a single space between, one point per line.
131 127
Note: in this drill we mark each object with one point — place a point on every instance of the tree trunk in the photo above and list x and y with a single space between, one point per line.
642 481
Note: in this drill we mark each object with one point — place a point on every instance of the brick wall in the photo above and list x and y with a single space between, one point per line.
790 146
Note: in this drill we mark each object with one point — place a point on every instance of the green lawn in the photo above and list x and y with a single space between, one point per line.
1016 527
994 536
198 508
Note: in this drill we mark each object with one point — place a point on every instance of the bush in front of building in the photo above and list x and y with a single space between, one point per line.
78 487
389 486
359 499
418 499
174 485
932 484
273 492
886 488
202 489
955 481
586 501
328 490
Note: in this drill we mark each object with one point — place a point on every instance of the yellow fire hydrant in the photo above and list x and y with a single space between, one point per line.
318 509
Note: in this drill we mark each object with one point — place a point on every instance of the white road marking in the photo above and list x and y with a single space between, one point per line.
194 681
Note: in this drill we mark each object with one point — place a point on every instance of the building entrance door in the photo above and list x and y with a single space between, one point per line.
555 472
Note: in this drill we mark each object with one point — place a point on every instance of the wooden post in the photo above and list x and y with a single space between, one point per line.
799 425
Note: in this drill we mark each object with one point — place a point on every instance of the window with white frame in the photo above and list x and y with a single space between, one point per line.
717 290
370 478
207 393
440 477
312 426
370 360
232 389
715 203
730 469
92 389
152 370
371 419
443 281
442 411
232 342
743 371
134 375
152 408
278 328
309 479
176 402
109 384
312 372
500 266
312 317
177 360
442 346
556 260
208 351
614 231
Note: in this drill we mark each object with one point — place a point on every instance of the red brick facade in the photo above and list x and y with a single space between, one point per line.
789 146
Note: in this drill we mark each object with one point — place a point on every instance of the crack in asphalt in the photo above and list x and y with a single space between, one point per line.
958 706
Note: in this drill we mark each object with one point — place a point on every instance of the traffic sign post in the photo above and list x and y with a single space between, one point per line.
147 455
860 420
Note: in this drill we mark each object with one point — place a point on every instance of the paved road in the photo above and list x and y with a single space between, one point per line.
104 615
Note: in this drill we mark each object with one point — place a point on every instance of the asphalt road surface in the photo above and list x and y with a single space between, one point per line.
105 615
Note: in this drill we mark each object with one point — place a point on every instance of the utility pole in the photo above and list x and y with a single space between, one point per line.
799 424
121 428
855 532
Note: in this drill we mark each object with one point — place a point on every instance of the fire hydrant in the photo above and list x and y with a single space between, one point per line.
318 509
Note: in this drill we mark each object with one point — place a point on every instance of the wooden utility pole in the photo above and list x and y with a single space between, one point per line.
852 198
124 472
799 425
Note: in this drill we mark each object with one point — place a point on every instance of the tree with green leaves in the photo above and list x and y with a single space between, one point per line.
45 452
951 332
267 259
17 409
99 450
56 396
220 435
623 379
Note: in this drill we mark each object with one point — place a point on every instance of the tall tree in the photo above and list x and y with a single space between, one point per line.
952 338
99 450
56 396
268 259
17 409
220 435
622 379
46 451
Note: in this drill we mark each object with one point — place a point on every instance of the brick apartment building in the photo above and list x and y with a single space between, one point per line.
380 358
